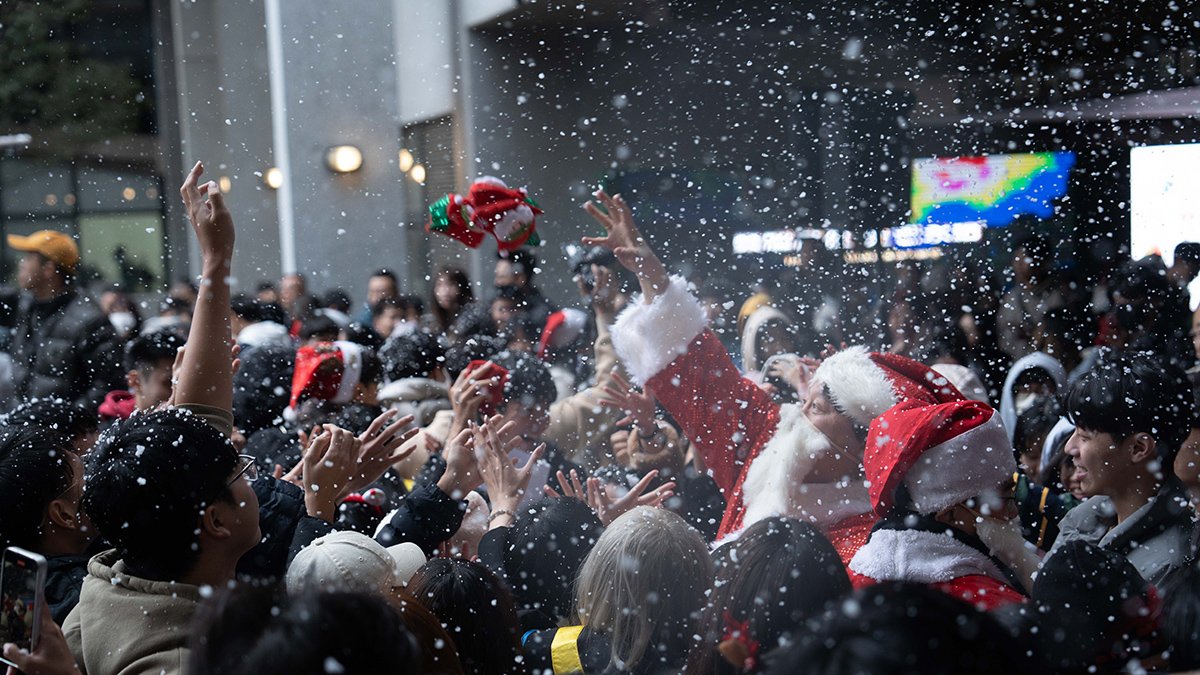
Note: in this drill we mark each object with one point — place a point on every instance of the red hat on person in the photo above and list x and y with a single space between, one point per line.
863 384
562 328
943 454
327 371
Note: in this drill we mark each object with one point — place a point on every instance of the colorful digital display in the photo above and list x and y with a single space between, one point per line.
993 190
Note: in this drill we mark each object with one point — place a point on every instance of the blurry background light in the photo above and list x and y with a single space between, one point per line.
225 184
129 194
343 159
418 173
273 178
406 160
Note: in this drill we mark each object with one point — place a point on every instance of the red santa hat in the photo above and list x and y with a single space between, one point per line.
942 454
562 327
864 384
328 371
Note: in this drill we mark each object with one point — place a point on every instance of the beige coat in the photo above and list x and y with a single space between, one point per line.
125 625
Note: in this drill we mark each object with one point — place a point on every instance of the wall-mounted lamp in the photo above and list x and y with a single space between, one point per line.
343 159
417 173
406 161
273 178
225 184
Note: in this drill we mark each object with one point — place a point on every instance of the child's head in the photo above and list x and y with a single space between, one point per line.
1131 413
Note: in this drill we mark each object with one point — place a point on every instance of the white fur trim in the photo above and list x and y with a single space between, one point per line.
858 386
965 466
920 557
647 338
775 482
352 354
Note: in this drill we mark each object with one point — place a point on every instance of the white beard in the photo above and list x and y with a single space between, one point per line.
775 482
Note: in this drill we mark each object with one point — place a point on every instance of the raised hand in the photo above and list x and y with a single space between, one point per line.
381 448
627 243
462 468
210 218
329 464
608 507
468 394
505 482
639 407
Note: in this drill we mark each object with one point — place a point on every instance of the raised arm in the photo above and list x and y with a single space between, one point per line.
664 343
206 374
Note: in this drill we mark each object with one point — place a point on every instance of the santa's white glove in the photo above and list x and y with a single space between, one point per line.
1003 538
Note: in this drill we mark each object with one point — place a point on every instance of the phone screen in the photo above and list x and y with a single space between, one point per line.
18 599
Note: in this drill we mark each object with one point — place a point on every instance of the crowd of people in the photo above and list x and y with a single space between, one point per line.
669 476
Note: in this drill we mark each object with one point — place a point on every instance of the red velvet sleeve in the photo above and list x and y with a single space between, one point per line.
726 417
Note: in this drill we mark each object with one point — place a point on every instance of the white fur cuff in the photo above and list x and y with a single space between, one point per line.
920 557
648 338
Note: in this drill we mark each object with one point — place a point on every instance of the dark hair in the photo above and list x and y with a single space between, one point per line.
1189 252
34 470
438 653
895 628
256 630
465 296
148 480
547 544
1181 617
529 380
264 285
1142 279
778 574
68 421
246 308
319 327
508 293
337 298
1128 393
476 609
363 335
152 349
372 367
412 303
262 386
1091 611
523 261
1037 420
416 354
385 272
378 308
474 348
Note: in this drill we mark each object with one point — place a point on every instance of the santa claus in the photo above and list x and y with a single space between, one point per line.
797 460
940 477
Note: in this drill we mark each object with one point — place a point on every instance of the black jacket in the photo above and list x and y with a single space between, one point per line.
286 528
65 348
64 580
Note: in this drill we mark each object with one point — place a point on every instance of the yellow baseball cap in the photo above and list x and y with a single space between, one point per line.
54 245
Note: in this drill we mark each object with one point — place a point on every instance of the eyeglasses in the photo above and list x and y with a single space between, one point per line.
249 470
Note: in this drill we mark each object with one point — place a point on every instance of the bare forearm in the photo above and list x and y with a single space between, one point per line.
206 375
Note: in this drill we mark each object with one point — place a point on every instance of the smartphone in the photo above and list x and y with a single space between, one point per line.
22 597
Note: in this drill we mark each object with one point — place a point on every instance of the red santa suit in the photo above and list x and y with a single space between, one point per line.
921 459
759 452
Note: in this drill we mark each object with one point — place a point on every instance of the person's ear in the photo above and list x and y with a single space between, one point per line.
133 380
63 513
1142 448
216 520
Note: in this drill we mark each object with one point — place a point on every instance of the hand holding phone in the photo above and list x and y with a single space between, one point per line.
22 598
